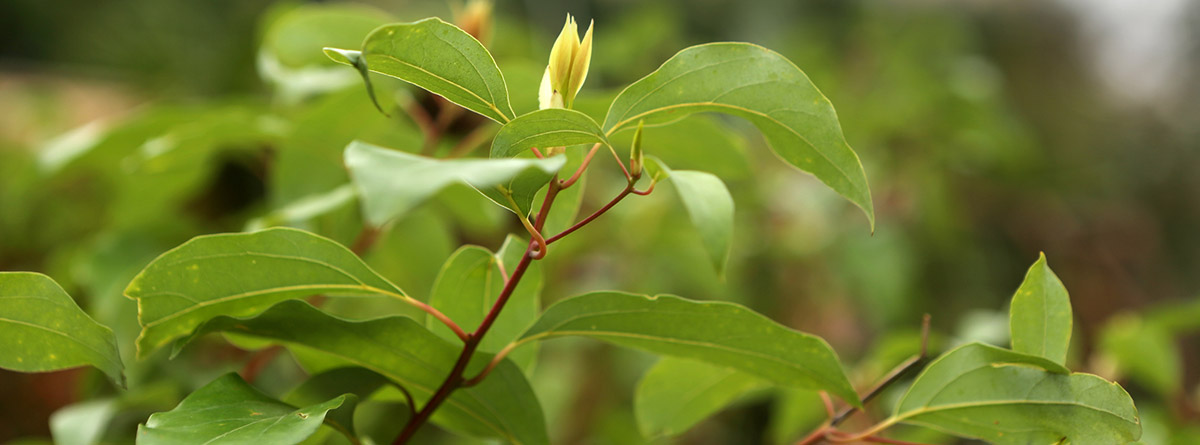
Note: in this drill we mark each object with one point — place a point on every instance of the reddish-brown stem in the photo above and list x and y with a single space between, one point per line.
496 359
892 377
628 189
815 436
462 335
621 163
583 166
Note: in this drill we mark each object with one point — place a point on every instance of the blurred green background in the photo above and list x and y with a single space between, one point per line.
990 131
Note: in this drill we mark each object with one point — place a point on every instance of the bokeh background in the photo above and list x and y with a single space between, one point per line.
990 131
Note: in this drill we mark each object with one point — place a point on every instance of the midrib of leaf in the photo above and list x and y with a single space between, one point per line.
63 334
268 255
255 293
964 405
478 73
519 141
677 77
490 104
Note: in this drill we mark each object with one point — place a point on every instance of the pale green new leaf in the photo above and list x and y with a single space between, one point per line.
1005 397
552 127
676 394
399 348
82 423
230 411
41 329
720 333
440 58
391 182
1040 318
709 206
240 275
761 86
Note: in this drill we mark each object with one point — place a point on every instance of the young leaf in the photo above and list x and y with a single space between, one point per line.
761 86
709 206
391 183
720 333
41 329
440 58
502 406
228 410
1040 318
241 275
676 394
468 286
1007 397
552 127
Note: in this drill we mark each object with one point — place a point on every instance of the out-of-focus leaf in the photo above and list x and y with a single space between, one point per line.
795 411
761 86
438 57
719 333
333 383
291 56
709 206
242 274
1040 318
552 127
676 394
502 405
306 208
229 411
1145 351
391 182
42 329
1007 397
82 423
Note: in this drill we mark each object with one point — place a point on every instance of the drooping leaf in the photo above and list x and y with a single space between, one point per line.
502 406
41 329
675 394
552 127
391 182
240 275
333 383
230 411
1040 318
720 333
1005 397
440 58
761 86
709 206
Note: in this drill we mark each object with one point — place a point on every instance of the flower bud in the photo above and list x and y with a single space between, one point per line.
570 59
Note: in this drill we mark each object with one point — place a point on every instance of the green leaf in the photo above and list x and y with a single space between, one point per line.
392 182
709 206
228 410
984 392
241 275
676 394
82 423
552 127
1144 351
441 58
502 406
41 329
467 288
329 384
295 37
720 333
761 86
1040 318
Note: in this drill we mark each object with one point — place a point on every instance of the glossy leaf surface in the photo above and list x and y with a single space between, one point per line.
720 333
240 275
761 86
42 329
1006 397
1040 318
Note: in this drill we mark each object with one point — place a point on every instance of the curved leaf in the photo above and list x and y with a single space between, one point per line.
229 411
502 406
761 86
41 329
362 383
440 58
241 275
676 394
391 182
552 127
1006 397
720 333
709 206
1040 318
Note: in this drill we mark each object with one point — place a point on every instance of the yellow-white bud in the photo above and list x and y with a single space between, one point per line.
570 59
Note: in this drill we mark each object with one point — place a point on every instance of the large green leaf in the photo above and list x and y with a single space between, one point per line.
41 329
467 288
1007 397
242 274
229 411
1040 318
676 394
438 57
502 406
761 86
391 182
720 333
552 127
709 206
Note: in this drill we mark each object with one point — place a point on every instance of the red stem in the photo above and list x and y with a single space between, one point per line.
579 171
628 189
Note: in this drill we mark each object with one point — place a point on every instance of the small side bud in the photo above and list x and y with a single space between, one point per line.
635 153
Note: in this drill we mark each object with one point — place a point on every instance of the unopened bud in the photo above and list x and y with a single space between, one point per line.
635 153
570 59
476 19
